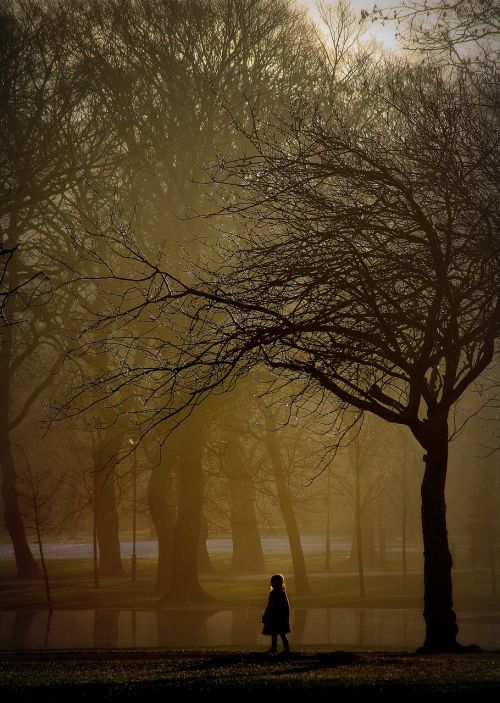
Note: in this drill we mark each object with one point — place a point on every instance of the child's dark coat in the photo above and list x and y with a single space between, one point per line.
276 616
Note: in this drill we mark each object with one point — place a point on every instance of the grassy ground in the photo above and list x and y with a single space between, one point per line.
222 675
72 587
155 675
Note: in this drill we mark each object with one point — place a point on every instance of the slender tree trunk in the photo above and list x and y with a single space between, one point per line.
382 554
44 569
404 522
403 555
359 535
328 549
440 618
158 493
95 551
302 586
185 580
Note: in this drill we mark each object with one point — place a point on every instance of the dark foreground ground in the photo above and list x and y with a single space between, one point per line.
154 675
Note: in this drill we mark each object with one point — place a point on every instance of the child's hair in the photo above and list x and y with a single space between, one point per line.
278 581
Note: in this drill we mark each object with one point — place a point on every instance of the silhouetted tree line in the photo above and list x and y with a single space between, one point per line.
195 192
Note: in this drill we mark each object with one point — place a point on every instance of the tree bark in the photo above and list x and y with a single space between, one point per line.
158 489
440 618
186 586
247 547
107 527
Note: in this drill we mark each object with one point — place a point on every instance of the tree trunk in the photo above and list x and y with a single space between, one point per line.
403 555
359 535
110 561
26 566
358 547
185 580
404 523
440 618
382 551
247 548
302 586
158 491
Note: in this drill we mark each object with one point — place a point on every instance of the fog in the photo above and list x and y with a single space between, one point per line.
249 298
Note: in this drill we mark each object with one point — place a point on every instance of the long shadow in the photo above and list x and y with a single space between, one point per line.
294 662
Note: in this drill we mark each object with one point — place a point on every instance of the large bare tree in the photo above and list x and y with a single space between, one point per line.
362 261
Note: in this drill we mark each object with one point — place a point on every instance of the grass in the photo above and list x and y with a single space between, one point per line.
153 675
72 586
247 675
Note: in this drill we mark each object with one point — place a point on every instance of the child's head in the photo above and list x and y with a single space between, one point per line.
278 582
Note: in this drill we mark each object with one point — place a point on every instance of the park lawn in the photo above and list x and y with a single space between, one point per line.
72 586
220 675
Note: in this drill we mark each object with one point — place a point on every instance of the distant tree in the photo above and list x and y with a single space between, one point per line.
270 440
51 141
37 492
361 484
166 104
233 450
32 171
403 494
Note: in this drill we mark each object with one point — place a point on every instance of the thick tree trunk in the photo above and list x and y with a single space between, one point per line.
185 580
302 586
247 547
158 491
440 618
107 528
26 566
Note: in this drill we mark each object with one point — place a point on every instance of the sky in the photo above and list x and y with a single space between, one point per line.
383 34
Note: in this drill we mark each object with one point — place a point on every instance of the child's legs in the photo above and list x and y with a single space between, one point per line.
285 642
274 642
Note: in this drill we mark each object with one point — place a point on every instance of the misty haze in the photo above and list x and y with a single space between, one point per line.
249 292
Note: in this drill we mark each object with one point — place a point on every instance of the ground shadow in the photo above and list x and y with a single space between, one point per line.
295 661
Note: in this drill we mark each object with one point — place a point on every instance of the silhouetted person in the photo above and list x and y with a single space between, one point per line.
276 616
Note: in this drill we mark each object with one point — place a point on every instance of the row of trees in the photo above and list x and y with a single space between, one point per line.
351 249
254 479
82 125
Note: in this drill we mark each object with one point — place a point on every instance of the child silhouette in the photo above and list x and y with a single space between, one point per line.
276 617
